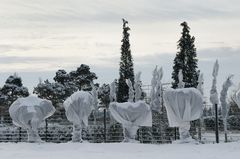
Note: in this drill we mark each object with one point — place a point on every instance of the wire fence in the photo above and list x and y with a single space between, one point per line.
98 131
103 128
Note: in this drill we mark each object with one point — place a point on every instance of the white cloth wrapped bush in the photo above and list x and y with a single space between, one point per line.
78 107
29 113
131 116
183 105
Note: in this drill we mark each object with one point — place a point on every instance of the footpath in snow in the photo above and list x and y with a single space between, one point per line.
118 151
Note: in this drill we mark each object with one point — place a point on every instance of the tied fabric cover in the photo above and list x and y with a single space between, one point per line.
29 113
131 116
183 105
78 107
128 113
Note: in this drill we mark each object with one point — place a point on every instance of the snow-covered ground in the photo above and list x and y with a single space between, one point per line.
118 151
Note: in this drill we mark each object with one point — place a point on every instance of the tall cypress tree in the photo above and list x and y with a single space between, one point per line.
126 66
186 59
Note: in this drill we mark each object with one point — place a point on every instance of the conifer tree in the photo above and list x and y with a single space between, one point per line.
11 91
126 66
186 59
83 77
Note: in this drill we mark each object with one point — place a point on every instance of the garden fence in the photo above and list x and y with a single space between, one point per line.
103 128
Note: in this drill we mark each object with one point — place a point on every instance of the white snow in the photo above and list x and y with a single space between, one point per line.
200 83
130 90
137 86
156 90
113 91
118 151
213 91
181 84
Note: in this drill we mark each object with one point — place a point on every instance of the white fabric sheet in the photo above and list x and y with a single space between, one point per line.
128 113
29 113
183 105
78 107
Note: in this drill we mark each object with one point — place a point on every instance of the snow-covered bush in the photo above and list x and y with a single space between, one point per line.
156 90
78 108
29 113
131 116
183 105
223 98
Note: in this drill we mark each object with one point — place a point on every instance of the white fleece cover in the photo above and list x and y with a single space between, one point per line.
30 110
183 105
78 107
132 114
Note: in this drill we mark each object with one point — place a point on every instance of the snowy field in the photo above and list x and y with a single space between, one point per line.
118 151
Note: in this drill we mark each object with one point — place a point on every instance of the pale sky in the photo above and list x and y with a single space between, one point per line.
38 37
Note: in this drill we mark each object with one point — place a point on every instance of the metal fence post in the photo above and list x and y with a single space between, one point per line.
216 123
200 129
175 133
105 126
46 129
20 134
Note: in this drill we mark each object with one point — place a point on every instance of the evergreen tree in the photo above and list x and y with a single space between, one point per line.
62 77
186 59
104 95
82 77
55 92
64 86
126 66
233 107
11 91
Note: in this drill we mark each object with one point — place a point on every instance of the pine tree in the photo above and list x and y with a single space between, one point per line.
126 66
61 77
64 86
56 93
186 59
104 95
82 77
11 91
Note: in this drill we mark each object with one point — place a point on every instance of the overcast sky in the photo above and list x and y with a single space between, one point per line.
38 37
